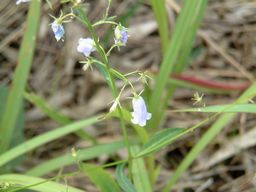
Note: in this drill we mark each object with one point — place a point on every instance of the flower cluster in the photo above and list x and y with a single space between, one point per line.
87 45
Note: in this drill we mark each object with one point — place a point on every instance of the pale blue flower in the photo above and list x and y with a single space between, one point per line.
121 35
140 114
22 1
86 46
57 29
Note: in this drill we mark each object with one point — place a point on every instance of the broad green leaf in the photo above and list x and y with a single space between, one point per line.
45 138
123 181
160 140
34 183
140 174
82 155
101 178
231 108
15 96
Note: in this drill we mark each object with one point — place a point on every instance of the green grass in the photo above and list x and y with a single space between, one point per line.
15 96
181 42
18 182
162 21
139 174
220 123
44 138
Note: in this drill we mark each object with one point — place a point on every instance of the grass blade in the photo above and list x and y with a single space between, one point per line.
188 20
221 122
231 108
123 181
82 155
139 173
44 138
162 21
159 140
55 115
34 183
20 77
101 178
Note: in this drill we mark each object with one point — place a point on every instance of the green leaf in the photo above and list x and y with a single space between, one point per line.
101 178
162 21
44 138
15 96
82 155
34 183
18 135
160 140
182 38
230 108
123 181
139 173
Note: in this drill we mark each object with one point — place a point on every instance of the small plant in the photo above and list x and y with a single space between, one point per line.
145 112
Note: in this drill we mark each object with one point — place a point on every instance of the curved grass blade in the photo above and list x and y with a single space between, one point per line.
160 140
34 183
15 96
101 178
82 155
44 138
123 181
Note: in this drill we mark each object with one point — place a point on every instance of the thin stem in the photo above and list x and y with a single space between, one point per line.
112 82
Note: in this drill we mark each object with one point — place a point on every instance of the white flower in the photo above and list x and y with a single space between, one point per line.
86 46
57 29
140 114
22 1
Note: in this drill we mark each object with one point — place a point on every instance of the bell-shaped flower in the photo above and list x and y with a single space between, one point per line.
121 35
86 46
57 29
22 1
140 114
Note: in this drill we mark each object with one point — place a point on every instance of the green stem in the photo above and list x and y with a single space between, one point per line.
111 79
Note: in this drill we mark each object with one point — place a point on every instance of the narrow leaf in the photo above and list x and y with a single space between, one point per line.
231 108
82 155
101 178
160 140
35 183
44 138
22 70
123 181
139 173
